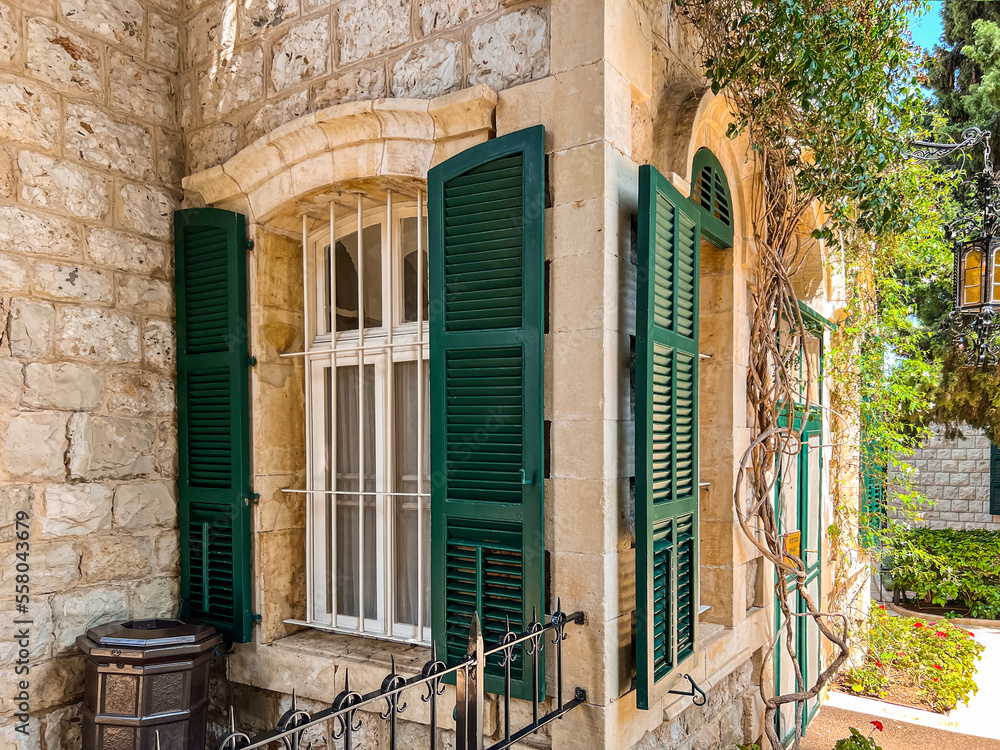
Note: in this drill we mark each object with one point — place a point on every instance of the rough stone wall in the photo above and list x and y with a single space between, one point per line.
248 67
730 716
90 162
955 475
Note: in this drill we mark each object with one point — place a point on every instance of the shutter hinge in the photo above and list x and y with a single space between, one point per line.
525 479
252 361
250 244
253 497
255 618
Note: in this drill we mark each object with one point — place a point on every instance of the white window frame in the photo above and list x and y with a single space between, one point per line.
382 347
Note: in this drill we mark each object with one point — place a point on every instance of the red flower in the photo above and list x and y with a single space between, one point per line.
971 634
918 624
939 634
935 679
876 724
881 606
938 666
878 663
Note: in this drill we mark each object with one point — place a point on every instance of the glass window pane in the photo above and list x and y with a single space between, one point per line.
410 262
996 276
787 682
788 509
973 278
815 495
408 446
349 438
347 279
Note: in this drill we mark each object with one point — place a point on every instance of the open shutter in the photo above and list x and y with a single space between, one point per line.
213 419
666 434
994 480
710 192
487 255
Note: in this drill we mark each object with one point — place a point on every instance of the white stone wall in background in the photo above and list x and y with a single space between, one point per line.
250 66
955 475
90 166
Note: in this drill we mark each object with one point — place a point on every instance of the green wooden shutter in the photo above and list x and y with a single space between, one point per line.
994 480
710 192
666 434
873 491
213 400
487 254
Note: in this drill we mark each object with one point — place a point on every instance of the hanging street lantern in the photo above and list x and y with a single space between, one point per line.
974 322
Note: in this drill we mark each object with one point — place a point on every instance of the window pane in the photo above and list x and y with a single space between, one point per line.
815 496
410 263
996 276
347 279
407 535
348 447
973 280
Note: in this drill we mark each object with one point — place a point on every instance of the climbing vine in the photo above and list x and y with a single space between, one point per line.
826 95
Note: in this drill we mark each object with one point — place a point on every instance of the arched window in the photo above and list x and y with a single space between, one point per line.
710 192
972 278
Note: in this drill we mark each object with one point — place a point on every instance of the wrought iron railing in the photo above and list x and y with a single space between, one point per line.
470 694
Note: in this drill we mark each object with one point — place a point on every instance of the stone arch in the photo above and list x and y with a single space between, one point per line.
378 142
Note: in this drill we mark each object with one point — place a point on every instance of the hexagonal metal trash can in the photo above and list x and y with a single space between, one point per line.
144 677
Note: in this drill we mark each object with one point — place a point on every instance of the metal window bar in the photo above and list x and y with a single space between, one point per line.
420 414
314 296
331 452
342 714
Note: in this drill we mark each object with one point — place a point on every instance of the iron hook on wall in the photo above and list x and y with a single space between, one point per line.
697 695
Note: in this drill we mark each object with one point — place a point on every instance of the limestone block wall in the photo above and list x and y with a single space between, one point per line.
955 475
90 163
248 67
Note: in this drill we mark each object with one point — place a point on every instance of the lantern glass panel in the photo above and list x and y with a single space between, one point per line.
972 278
995 276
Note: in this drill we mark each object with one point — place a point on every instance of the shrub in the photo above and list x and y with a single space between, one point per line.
936 659
945 566
858 741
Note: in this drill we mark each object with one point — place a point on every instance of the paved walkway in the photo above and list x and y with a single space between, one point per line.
832 724
972 727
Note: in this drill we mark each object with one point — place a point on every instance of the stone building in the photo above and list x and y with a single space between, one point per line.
960 477
315 125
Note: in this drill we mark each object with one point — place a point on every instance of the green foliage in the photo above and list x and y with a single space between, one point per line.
856 741
949 566
964 77
935 659
833 87
961 70
966 396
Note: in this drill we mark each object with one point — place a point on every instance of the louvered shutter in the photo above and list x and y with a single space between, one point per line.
710 193
213 419
994 480
486 214
666 434
873 489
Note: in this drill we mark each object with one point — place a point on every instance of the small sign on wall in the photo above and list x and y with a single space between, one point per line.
792 544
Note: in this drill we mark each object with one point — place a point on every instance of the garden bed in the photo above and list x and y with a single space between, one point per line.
915 662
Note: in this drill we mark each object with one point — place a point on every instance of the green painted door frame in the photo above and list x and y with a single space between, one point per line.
810 526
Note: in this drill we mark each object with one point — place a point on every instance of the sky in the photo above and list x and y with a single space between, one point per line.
927 28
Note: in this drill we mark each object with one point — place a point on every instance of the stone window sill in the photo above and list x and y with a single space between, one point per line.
357 652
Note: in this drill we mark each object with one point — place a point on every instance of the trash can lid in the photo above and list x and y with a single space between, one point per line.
140 634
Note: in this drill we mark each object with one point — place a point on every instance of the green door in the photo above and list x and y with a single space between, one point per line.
799 508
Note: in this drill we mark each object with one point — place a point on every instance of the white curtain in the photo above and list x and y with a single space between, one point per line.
348 447
405 508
